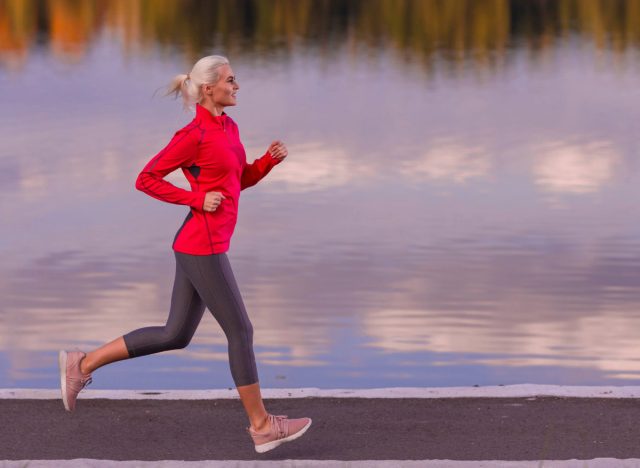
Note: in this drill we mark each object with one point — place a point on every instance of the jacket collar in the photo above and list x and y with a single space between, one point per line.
204 115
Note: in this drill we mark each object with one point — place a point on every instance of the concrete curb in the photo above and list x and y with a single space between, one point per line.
506 391
91 463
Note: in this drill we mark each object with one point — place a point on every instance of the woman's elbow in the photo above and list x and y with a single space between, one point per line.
246 184
140 181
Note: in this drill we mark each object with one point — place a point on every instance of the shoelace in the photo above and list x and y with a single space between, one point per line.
280 424
84 381
277 423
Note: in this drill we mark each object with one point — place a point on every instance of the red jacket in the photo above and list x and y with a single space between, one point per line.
212 158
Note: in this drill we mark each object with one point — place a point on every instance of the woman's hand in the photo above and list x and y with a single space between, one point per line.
278 150
212 201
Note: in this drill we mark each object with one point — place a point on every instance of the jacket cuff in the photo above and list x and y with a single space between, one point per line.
198 200
272 161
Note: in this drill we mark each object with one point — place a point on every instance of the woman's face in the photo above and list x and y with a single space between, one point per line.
223 92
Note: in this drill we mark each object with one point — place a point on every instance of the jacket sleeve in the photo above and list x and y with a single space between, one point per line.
254 172
180 152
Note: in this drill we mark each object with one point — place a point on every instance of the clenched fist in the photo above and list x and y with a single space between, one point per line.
212 201
278 150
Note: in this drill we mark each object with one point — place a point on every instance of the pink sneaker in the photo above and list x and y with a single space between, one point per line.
282 430
72 380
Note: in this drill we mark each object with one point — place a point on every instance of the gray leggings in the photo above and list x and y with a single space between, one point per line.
202 281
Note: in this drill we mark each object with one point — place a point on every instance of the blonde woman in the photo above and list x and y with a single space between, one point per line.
211 156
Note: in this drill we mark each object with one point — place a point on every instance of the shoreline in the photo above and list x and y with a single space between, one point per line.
500 391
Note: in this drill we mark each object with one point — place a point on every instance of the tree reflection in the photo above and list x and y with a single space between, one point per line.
452 30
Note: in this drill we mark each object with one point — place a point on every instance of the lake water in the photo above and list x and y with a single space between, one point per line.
459 205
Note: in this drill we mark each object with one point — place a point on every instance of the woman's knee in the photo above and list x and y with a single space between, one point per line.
177 339
241 334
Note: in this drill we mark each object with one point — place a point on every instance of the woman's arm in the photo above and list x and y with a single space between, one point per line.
180 152
254 172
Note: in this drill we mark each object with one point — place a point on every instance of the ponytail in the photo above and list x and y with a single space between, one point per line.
205 71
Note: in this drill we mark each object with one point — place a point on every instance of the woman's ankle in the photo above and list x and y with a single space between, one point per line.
262 425
84 366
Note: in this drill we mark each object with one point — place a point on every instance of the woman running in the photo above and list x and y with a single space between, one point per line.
212 158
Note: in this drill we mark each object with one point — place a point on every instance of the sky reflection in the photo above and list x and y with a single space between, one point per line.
429 227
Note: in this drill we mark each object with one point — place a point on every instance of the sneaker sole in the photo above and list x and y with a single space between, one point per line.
273 444
62 363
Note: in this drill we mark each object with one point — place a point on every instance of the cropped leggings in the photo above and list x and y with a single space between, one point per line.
202 281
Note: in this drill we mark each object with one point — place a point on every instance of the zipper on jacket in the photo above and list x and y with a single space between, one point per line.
224 129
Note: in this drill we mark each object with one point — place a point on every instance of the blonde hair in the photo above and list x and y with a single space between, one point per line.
205 71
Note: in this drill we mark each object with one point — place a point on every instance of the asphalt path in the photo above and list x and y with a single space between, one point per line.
542 428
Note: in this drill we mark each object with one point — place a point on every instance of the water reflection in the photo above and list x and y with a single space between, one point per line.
319 168
523 303
449 161
575 169
457 208
456 30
